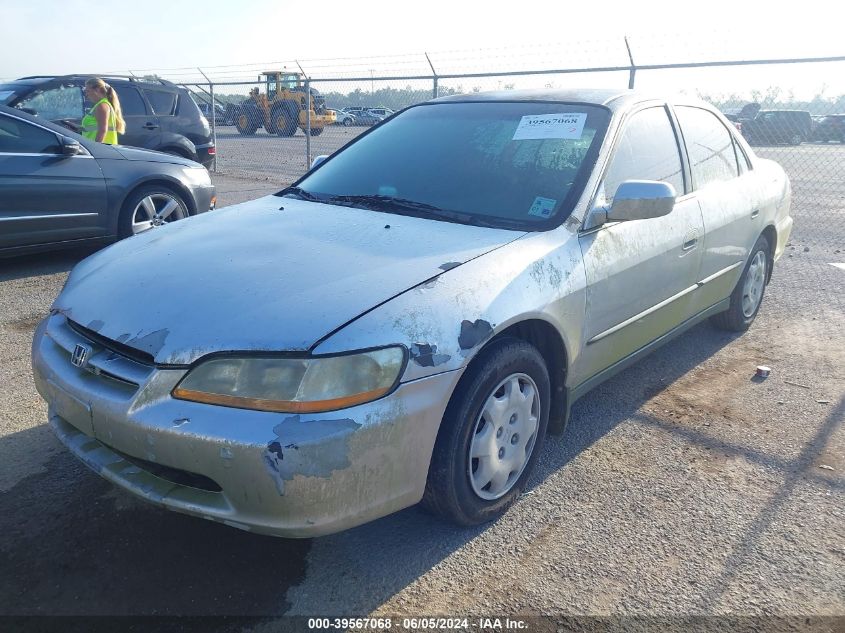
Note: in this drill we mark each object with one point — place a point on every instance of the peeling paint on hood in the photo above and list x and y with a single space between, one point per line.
255 277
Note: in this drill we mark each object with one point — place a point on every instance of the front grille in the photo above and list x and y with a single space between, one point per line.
173 475
112 345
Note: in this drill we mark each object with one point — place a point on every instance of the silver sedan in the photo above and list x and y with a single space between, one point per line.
409 320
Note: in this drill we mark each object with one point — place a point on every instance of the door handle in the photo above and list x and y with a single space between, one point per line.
689 244
150 126
755 213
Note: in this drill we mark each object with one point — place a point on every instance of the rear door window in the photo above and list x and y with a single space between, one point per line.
163 102
709 145
131 103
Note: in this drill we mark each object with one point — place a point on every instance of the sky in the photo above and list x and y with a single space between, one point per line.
234 40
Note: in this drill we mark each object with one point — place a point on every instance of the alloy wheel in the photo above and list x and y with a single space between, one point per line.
155 210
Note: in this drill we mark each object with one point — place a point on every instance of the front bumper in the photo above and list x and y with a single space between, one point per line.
205 197
279 474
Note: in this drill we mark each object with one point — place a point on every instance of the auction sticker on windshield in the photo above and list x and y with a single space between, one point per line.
569 125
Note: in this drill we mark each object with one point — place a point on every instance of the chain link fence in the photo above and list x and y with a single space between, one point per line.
801 127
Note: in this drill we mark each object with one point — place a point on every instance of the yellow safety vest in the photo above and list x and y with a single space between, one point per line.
89 124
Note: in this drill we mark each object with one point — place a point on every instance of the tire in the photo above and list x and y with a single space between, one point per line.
747 296
245 122
455 487
283 121
347 122
151 206
796 139
316 131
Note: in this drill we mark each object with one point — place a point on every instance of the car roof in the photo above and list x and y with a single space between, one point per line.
37 79
613 98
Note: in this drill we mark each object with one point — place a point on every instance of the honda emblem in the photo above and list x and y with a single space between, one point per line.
80 355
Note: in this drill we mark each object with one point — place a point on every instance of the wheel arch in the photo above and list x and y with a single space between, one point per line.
549 342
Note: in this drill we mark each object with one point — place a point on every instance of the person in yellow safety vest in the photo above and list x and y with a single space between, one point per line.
104 121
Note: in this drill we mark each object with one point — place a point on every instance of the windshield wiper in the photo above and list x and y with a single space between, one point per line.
400 206
300 193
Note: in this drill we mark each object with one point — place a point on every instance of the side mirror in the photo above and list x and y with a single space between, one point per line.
70 147
318 159
641 200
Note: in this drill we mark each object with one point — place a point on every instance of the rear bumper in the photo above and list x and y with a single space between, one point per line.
206 154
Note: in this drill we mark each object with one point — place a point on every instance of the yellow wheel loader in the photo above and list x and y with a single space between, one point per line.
283 107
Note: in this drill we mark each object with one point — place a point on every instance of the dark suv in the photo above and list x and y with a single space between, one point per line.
778 126
159 115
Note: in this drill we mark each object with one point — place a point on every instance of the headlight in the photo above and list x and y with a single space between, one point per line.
294 385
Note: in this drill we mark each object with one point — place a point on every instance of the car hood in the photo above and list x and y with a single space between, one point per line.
152 156
271 274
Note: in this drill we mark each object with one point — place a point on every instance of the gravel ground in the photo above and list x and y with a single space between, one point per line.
682 487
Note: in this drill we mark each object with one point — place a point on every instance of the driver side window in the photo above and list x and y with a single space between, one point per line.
647 150
18 137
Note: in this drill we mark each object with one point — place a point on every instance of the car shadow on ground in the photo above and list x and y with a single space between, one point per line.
39 264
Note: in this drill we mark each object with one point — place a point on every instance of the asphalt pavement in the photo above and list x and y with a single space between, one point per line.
683 486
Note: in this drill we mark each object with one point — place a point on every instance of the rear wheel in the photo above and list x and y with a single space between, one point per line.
748 293
347 122
796 139
316 131
491 434
149 207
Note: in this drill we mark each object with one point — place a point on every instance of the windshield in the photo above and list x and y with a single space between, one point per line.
513 165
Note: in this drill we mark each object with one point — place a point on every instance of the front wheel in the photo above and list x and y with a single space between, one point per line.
150 207
347 122
491 434
747 296
315 131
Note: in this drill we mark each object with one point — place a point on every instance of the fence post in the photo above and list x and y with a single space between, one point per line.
633 72
434 77
213 120
308 125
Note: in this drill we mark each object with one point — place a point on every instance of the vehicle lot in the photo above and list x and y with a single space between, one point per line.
682 486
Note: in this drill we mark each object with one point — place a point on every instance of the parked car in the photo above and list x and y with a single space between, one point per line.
366 117
345 119
60 189
354 109
778 126
408 320
159 115
830 128
219 112
381 112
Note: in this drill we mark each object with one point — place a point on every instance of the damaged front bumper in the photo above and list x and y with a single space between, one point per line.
271 473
